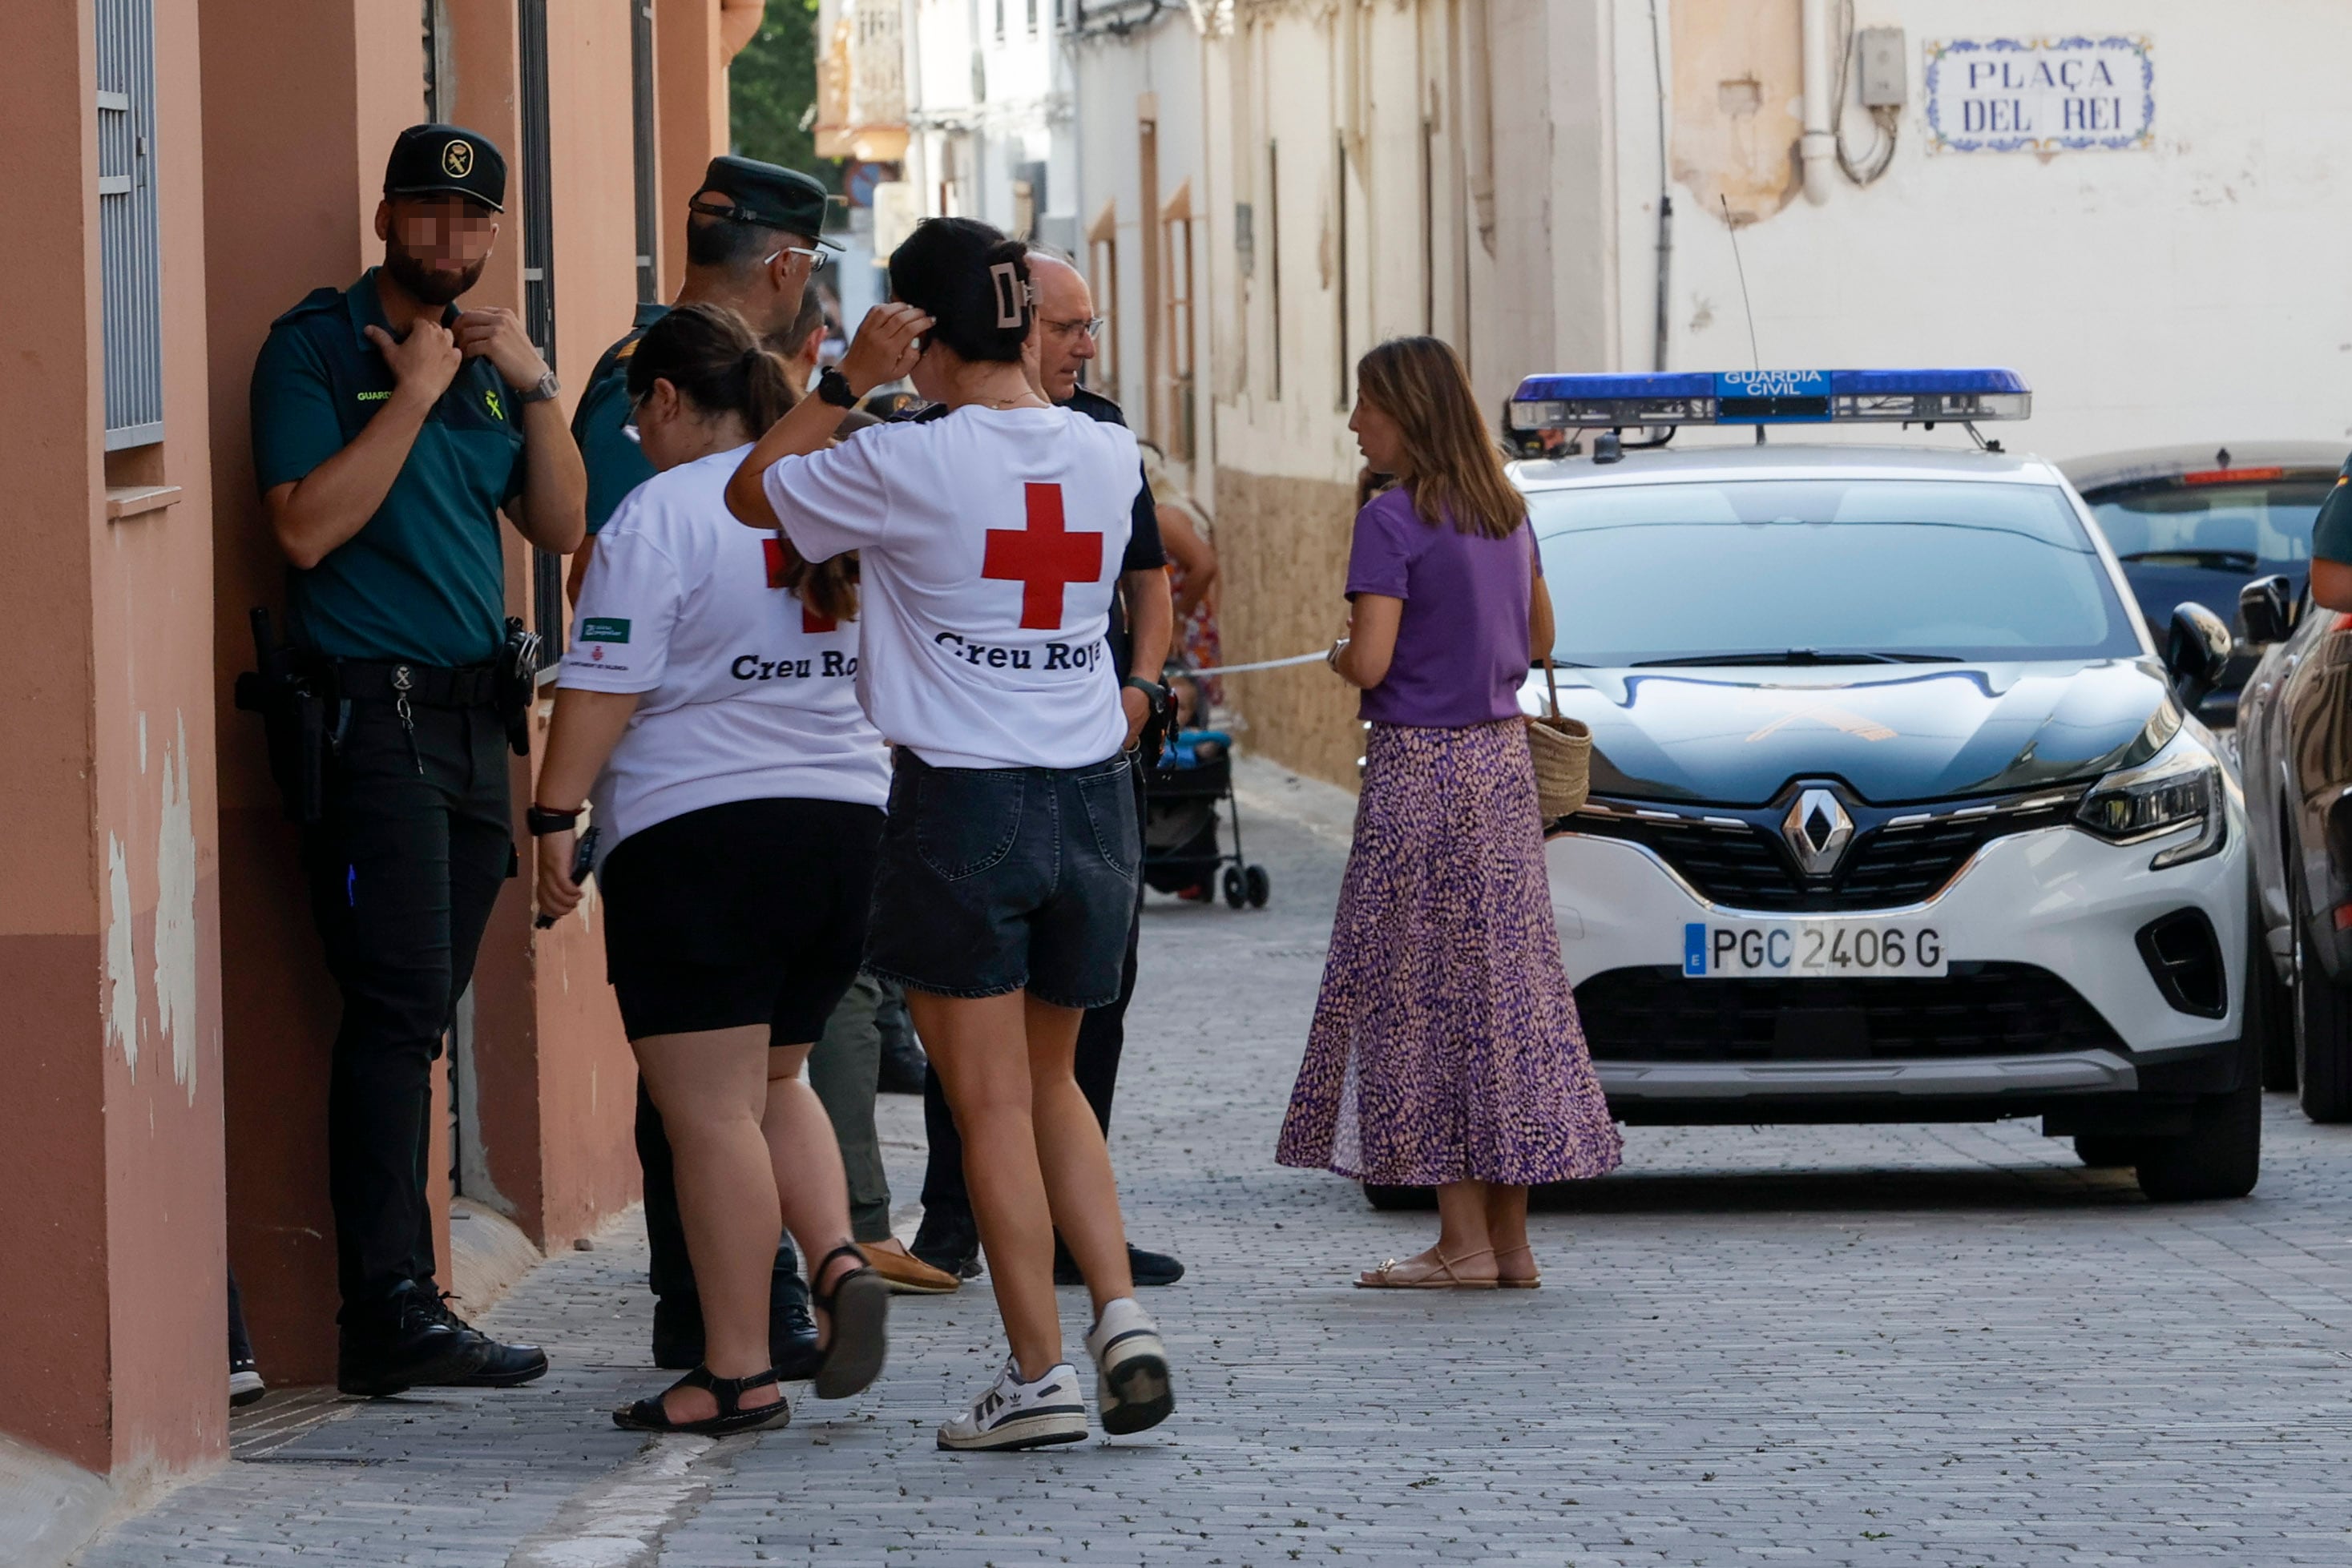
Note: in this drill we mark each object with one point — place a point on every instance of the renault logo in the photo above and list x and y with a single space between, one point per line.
1817 831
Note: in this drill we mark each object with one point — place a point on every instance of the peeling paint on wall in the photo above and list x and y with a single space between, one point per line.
175 916
122 983
1738 91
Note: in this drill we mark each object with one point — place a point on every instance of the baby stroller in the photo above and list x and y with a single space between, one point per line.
1195 777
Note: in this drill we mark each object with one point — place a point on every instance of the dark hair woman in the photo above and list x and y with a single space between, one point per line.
989 542
706 711
1445 1050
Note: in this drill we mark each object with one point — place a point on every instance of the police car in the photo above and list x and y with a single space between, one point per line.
1898 813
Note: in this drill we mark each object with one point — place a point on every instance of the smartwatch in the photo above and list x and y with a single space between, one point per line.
833 387
540 391
543 821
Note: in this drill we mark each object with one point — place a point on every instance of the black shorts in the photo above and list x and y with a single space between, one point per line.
1005 879
748 913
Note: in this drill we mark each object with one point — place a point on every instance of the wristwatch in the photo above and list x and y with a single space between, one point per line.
543 821
540 391
833 387
1158 695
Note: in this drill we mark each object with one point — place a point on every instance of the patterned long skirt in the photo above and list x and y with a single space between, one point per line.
1445 1044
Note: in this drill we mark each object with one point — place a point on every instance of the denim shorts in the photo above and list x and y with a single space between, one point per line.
1004 878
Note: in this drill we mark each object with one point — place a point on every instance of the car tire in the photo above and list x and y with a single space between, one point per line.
2269 989
1396 1199
2219 1156
2322 1029
2109 1151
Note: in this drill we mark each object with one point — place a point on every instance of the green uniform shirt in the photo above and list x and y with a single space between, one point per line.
425 580
616 466
2331 531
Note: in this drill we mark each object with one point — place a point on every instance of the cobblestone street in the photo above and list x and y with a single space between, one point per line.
1945 1345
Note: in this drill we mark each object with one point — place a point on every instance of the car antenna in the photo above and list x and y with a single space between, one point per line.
1754 353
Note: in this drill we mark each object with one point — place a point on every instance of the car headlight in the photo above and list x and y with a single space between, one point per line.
2178 787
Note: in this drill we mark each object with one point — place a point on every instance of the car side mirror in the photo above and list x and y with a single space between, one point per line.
2265 606
2195 652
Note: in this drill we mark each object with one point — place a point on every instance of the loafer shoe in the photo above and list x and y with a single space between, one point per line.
907 1274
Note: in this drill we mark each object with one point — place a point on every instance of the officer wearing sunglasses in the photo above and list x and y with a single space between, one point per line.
752 244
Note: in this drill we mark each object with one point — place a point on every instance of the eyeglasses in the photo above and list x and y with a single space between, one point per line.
814 256
629 420
1089 327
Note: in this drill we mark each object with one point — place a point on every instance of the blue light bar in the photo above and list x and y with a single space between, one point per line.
1768 397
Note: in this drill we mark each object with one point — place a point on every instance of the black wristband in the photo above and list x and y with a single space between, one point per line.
541 822
1157 695
833 387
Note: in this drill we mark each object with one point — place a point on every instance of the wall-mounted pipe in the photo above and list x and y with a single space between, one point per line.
1817 150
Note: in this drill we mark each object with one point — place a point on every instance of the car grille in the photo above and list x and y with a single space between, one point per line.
1737 858
1653 1014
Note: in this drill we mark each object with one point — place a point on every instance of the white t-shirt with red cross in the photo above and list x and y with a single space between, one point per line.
747 693
989 546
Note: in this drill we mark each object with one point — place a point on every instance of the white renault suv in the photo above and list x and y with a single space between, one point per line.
1897 814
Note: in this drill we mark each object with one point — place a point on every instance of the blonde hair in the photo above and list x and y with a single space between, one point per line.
1457 469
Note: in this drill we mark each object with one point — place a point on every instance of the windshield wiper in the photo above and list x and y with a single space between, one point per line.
2213 559
1798 656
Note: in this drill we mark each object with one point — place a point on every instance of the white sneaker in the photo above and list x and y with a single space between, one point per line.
1133 1389
1017 1415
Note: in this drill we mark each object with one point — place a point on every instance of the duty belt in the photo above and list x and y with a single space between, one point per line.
420 685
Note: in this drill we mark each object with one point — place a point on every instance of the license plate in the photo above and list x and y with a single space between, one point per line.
1811 948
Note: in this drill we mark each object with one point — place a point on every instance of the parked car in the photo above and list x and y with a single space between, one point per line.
2199 523
1897 813
2294 744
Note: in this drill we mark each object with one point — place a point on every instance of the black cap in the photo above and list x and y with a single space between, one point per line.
446 161
764 194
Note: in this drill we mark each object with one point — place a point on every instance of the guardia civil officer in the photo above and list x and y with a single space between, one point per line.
389 429
751 241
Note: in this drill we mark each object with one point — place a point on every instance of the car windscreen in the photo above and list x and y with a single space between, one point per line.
2260 526
1924 569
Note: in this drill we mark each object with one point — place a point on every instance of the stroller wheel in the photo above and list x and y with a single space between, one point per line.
1235 893
1257 885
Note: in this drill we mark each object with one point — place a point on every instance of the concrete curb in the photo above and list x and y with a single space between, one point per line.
488 1255
50 1507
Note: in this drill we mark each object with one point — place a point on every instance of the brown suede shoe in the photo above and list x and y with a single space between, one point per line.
907 1274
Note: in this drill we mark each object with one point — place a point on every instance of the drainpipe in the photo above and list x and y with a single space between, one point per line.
1818 150
1478 112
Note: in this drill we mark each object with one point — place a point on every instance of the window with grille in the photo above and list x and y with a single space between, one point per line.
129 250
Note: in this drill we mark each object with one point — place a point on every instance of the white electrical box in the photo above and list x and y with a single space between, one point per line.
1882 66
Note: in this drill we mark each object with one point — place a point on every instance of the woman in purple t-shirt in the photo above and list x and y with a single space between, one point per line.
1445 1051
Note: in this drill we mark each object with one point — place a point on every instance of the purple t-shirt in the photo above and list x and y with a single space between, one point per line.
1462 643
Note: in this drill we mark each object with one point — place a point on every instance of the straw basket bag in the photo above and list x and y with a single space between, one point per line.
1562 749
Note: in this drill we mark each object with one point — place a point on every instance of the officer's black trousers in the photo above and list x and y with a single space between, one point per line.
1102 1037
403 867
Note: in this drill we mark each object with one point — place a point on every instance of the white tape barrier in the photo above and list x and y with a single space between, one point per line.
1315 658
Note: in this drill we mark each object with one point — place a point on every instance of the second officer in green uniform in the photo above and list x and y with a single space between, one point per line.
390 431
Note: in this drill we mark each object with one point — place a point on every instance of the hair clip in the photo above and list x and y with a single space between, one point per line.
1012 294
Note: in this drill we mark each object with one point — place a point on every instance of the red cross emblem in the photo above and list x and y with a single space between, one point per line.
779 563
1042 558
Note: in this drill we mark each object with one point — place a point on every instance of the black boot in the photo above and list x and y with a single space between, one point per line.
791 1327
402 1343
950 1246
503 1365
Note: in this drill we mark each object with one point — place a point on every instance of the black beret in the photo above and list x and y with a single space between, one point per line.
764 195
446 161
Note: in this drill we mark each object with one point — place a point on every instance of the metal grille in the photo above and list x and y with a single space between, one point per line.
1653 1013
1736 858
539 287
129 250
641 110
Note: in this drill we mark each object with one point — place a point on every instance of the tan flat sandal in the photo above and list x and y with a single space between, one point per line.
1395 1275
1519 1282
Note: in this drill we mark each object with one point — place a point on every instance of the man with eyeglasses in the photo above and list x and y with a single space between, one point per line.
389 429
753 241
1142 622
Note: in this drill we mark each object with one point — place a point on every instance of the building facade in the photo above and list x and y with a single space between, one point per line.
2129 201
188 170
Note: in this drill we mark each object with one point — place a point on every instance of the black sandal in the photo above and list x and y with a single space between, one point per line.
859 1337
650 1416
